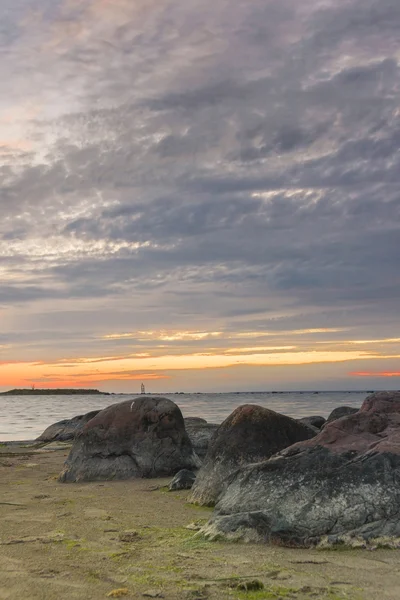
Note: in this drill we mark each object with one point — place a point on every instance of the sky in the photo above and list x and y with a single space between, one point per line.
200 196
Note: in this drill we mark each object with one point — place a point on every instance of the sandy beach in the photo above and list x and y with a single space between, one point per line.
131 539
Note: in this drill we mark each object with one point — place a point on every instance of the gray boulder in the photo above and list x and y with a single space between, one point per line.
183 480
250 434
200 434
66 430
313 421
145 437
341 411
342 485
194 421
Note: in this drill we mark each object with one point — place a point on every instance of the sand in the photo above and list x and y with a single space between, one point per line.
130 539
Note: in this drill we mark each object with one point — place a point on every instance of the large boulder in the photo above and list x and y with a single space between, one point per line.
145 437
342 485
67 429
250 434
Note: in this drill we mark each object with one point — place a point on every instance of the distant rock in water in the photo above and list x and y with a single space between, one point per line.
342 485
145 437
250 434
341 411
67 429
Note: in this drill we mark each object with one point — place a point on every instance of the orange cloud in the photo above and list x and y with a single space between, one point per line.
375 374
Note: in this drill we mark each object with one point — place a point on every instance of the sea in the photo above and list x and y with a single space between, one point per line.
26 417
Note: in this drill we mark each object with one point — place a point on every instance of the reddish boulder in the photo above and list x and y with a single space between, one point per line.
145 437
375 427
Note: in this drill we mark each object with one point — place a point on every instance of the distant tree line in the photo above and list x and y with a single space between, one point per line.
49 392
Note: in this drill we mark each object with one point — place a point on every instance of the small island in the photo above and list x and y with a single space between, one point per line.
51 392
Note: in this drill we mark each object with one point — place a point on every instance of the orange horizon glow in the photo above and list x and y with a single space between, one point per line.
375 374
82 381
85 371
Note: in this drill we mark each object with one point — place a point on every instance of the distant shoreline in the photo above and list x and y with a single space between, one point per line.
84 391
50 392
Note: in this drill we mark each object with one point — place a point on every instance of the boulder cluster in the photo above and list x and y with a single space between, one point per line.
343 485
270 478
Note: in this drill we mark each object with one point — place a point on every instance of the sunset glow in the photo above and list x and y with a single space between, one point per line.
144 367
376 374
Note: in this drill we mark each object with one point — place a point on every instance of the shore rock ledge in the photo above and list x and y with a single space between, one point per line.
341 486
145 437
250 434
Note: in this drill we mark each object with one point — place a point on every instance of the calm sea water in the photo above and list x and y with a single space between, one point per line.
26 417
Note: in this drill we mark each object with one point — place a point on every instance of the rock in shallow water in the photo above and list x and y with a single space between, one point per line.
145 437
344 482
250 434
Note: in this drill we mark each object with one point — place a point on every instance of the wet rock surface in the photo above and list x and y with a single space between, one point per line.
343 483
145 437
250 434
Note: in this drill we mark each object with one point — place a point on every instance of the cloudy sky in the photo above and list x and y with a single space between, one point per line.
200 195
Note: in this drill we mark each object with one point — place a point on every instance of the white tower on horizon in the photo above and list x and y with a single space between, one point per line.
142 389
